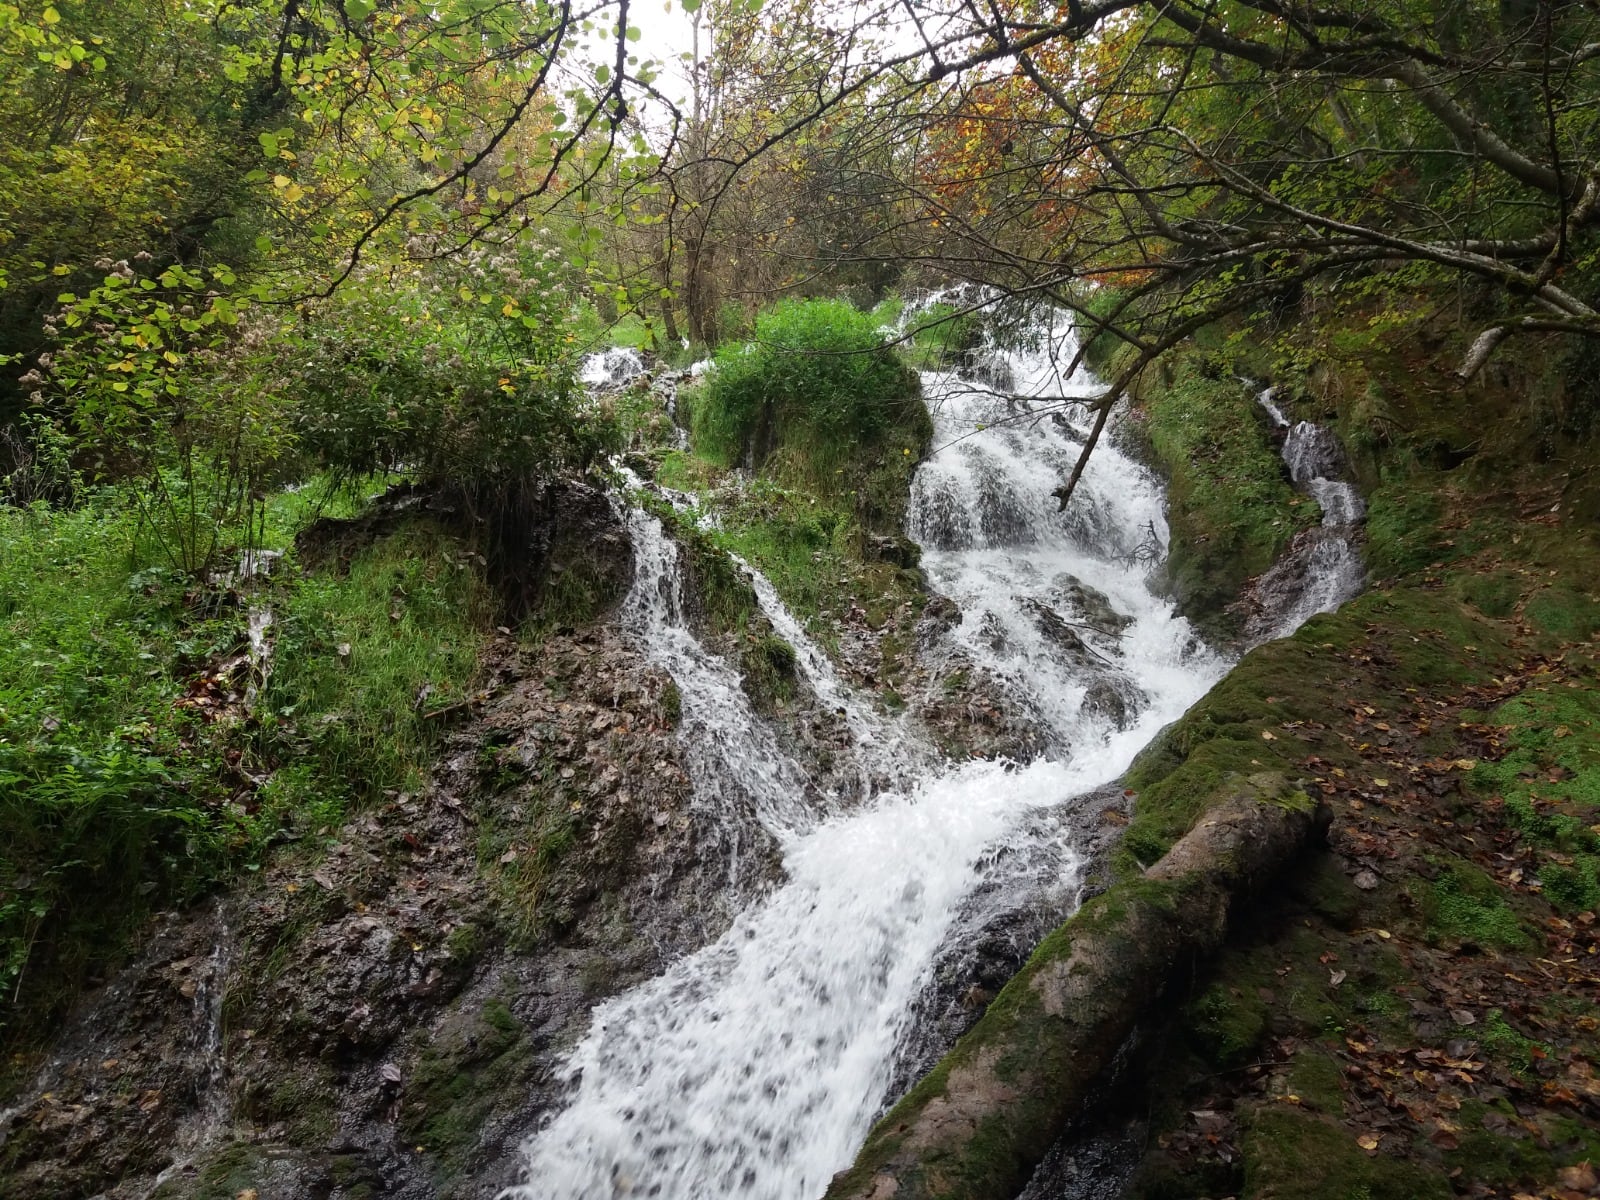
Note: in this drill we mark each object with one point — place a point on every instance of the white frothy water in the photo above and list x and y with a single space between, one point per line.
754 1067
1057 605
1325 569
609 368
741 776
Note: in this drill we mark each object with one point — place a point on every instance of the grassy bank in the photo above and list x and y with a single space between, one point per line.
134 774
834 425
1412 1012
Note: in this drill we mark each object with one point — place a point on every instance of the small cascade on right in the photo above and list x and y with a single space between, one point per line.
1322 567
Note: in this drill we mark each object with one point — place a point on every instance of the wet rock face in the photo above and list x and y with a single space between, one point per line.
1090 605
1114 700
395 998
559 547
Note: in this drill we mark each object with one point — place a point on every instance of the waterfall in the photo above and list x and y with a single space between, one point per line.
747 790
611 368
755 1066
1322 568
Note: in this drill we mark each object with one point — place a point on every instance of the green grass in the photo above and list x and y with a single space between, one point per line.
942 332
812 549
1231 509
126 786
362 661
109 791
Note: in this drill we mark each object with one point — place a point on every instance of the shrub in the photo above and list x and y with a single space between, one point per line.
464 372
819 385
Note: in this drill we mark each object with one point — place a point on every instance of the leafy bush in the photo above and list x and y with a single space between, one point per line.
466 371
460 371
817 384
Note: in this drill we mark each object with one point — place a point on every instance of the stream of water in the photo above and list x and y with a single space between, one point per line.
1323 568
755 1066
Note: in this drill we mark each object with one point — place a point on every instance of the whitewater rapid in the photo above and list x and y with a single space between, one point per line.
755 1066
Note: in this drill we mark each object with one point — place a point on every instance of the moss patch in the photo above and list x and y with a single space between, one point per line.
466 1071
1290 1154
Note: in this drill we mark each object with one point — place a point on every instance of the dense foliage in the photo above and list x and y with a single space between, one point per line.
818 385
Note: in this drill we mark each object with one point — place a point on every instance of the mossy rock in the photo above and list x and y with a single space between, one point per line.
1232 510
473 1064
1322 886
1495 1160
1318 1080
1564 613
1465 905
273 1172
1227 1023
1158 1178
769 670
1494 594
305 1101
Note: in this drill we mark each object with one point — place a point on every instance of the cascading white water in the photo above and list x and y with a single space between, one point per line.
754 1067
612 367
1324 569
742 779
1056 605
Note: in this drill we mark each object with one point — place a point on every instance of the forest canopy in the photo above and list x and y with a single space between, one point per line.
196 190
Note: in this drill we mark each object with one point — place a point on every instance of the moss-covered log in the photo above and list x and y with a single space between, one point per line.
979 1123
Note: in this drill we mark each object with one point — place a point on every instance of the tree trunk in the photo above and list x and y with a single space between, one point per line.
978 1125
699 296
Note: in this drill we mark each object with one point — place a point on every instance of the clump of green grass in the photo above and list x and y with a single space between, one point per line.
365 658
942 333
817 383
768 663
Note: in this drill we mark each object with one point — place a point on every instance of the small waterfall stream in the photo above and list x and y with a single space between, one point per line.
1323 567
755 1066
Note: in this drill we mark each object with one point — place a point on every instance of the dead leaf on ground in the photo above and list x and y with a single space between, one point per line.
1581 1177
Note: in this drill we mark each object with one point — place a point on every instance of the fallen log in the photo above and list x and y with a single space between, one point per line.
978 1124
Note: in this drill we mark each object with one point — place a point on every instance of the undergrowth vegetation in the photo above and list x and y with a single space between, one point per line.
813 396
1232 509
132 773
108 789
